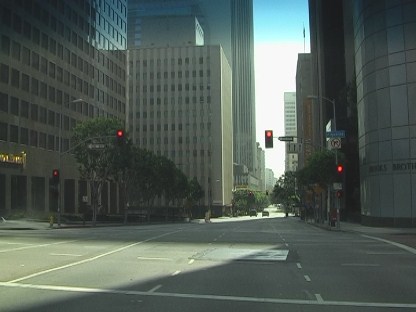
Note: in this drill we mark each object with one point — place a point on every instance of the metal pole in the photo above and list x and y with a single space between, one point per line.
59 166
60 160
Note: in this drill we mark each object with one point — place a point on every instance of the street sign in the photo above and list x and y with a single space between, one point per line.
335 143
336 134
337 186
285 138
96 146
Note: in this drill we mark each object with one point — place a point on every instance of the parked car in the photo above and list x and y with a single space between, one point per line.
264 213
253 213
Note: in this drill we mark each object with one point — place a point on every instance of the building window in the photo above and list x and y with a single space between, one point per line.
24 136
51 142
5 45
35 60
3 131
24 109
33 138
4 73
14 106
26 56
42 140
25 82
14 134
15 78
34 112
16 50
4 102
35 86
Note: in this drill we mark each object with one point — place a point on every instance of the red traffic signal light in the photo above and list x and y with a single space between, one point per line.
340 168
55 176
268 138
120 133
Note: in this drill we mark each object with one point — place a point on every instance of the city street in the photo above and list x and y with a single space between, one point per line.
238 264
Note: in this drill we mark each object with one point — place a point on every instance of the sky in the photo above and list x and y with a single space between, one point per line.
278 38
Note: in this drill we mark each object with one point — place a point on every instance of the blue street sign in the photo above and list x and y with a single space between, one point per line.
336 134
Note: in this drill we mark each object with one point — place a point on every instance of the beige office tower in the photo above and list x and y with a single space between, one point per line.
180 107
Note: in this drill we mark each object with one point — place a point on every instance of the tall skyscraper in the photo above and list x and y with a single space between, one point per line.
61 62
363 56
228 23
291 157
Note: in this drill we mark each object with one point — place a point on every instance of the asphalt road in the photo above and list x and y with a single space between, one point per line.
252 264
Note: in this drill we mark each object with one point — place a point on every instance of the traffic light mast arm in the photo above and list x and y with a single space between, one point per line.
85 141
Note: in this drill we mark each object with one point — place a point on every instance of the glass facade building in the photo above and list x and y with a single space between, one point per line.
385 56
61 62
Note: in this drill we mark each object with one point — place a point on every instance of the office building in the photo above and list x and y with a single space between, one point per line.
180 102
228 23
377 40
62 62
385 58
290 123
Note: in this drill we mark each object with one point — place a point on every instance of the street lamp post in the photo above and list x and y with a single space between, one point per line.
332 101
60 159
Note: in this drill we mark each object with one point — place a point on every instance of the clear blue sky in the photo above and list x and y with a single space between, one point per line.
278 38
280 20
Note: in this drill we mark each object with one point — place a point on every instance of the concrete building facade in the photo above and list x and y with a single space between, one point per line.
290 120
180 103
228 23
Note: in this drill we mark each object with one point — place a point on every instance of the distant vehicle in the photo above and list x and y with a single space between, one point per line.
253 213
264 213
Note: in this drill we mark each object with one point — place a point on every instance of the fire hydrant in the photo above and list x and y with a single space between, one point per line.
51 221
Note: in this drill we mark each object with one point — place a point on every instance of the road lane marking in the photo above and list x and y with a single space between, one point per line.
89 259
155 288
36 246
299 265
407 248
155 258
65 255
319 298
387 305
361 264
176 273
307 278
191 261
381 253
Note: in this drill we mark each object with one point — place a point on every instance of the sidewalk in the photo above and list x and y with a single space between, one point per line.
404 236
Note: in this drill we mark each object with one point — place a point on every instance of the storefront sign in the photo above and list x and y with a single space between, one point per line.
13 160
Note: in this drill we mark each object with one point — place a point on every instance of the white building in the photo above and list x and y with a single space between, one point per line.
291 159
180 106
270 180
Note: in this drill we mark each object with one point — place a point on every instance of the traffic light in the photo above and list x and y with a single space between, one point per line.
54 183
120 137
55 176
339 193
268 137
340 168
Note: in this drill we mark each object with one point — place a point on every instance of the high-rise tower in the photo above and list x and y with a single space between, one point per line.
228 23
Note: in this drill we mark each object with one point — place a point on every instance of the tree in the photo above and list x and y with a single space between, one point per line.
244 200
195 193
96 162
319 169
284 191
144 179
